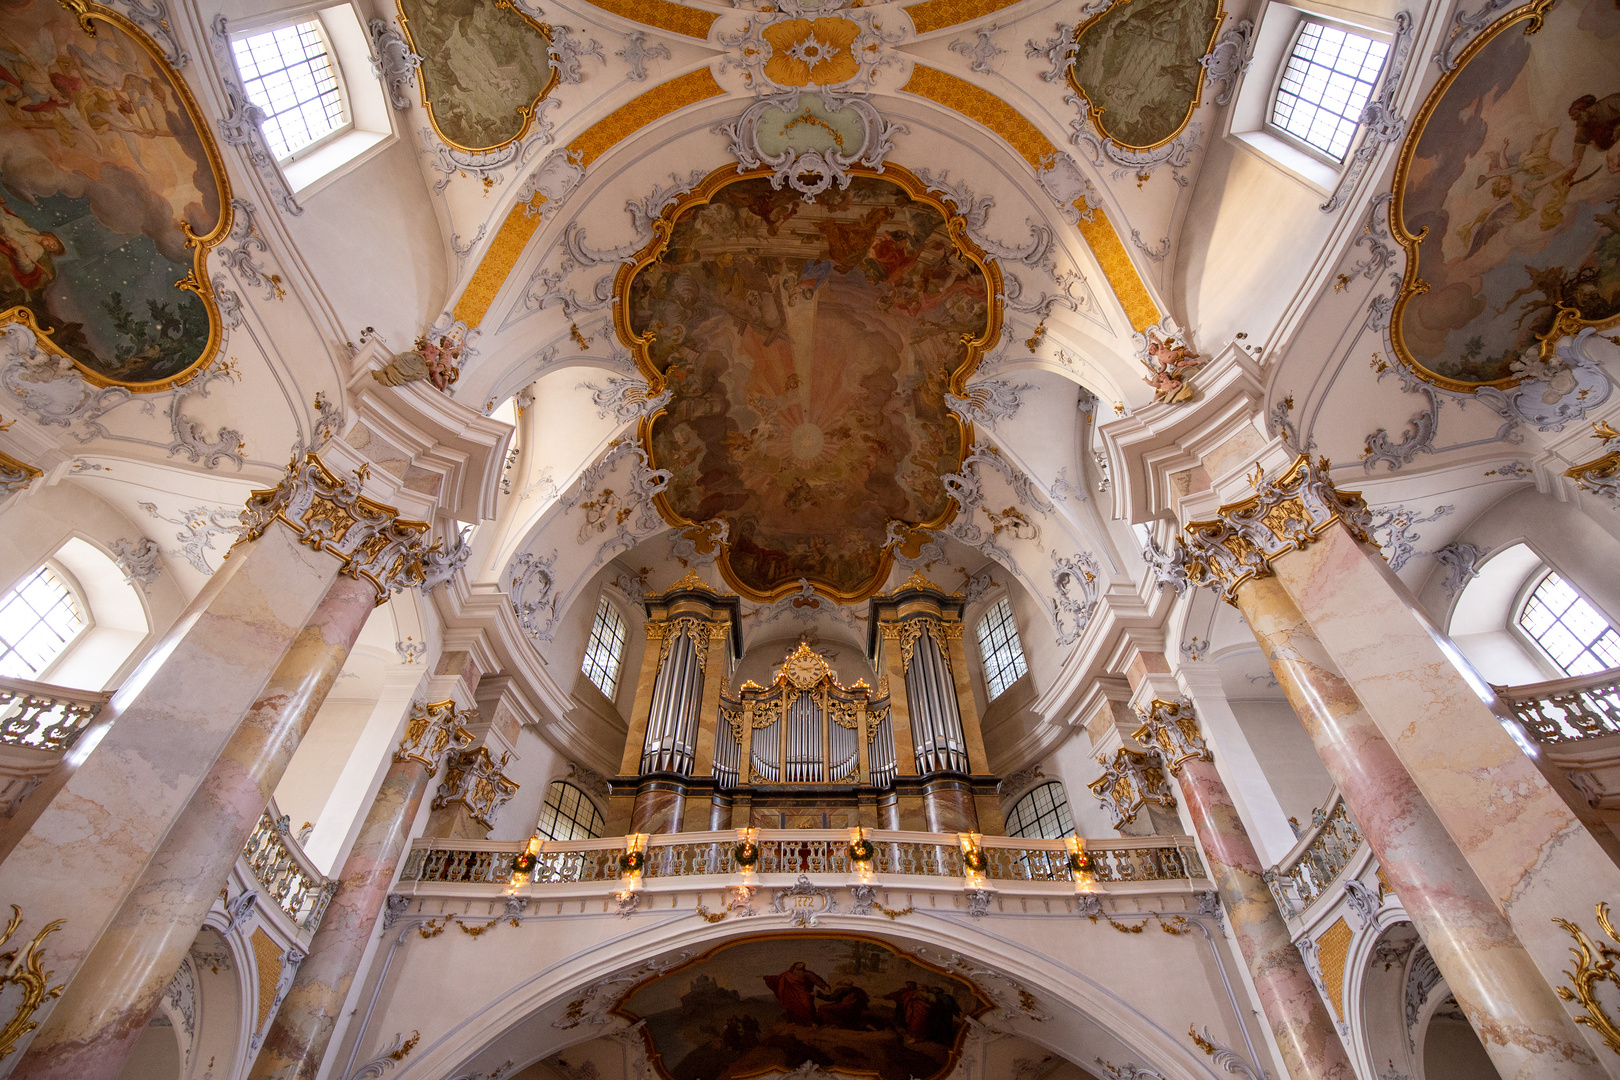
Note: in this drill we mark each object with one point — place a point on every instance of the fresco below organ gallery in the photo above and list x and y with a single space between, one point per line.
855 1005
486 67
111 194
808 347
1137 65
1514 170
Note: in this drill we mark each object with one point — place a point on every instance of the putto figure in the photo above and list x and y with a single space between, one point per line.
430 360
1170 363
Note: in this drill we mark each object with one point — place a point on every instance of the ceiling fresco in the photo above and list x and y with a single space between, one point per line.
111 194
1137 64
1508 199
766 1004
807 347
485 69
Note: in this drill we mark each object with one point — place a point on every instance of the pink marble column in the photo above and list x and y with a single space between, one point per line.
90 1034
302 1029
1299 1020
1535 858
1523 1026
81 842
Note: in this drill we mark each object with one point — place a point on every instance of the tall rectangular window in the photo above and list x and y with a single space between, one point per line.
290 74
1573 633
1003 653
1327 82
39 618
604 653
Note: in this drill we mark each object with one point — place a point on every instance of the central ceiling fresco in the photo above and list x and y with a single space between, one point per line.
808 347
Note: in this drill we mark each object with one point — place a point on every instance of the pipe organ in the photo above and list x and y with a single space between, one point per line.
805 750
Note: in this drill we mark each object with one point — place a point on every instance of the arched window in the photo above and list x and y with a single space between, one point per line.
39 618
291 74
568 814
604 653
1042 814
1572 632
1330 76
1003 653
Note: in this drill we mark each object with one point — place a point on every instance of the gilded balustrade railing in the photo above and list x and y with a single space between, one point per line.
281 867
804 852
46 717
1321 855
1567 710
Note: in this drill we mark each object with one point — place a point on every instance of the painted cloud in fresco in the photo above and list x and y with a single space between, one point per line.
1138 63
100 164
1517 178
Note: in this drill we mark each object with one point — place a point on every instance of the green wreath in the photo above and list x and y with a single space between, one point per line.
975 861
746 854
861 851
632 861
525 863
1080 862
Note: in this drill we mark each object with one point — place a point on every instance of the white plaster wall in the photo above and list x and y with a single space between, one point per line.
1286 755
535 763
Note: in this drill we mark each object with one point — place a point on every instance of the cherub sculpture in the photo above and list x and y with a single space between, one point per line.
1170 363
434 361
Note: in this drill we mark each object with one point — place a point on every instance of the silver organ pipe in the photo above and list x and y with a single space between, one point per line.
803 737
727 750
882 761
672 724
843 751
936 718
765 759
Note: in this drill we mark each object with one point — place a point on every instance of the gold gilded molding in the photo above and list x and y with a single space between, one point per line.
1600 475
524 218
1096 112
1568 321
663 15
1171 728
1332 949
931 15
1284 514
1594 963
983 107
25 971
1130 780
268 957
433 730
639 344
15 475
197 279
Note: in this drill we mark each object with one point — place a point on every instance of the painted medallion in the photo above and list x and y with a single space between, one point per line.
808 346
1137 65
1508 198
856 1006
111 193
486 66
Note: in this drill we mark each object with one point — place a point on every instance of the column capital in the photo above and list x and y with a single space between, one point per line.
1285 513
1171 729
330 514
433 730
1130 780
475 780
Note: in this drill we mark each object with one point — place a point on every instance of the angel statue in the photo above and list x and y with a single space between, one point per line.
1170 363
430 360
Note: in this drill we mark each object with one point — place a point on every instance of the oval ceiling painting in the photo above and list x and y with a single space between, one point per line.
808 347
1514 170
856 1006
485 68
1137 66
111 194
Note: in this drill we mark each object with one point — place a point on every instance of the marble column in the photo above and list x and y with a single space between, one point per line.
1522 1025
1299 1020
1536 860
302 1029
82 840
90 1035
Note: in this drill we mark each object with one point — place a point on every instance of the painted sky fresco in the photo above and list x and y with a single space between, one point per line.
1517 178
769 1004
1139 64
482 65
100 163
809 347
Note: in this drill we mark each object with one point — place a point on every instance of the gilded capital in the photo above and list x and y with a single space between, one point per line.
1601 476
432 731
475 780
1130 780
1171 729
15 475
1284 514
330 514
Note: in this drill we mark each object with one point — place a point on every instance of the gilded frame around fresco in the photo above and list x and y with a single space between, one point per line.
1568 320
663 228
656 1059
196 280
528 112
1095 112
